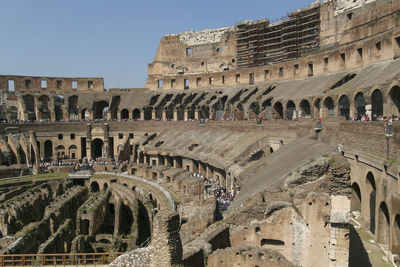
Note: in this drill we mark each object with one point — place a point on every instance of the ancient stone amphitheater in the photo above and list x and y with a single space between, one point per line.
219 160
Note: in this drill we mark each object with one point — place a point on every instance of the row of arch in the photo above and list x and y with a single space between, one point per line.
376 215
353 105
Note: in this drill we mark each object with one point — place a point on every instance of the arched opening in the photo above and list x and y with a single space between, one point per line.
85 114
305 108
344 106
355 197
136 114
383 224
72 151
22 155
30 107
371 188
396 235
317 107
190 112
377 104
125 225
58 103
12 113
100 110
204 112
115 101
271 242
73 107
43 107
105 187
48 150
147 113
94 187
60 150
395 96
169 112
97 148
239 113
329 107
278 111
254 110
267 106
181 113
291 110
359 103
144 230
124 114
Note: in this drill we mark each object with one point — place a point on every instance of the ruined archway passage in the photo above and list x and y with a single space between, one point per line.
383 224
136 114
124 114
97 148
395 96
144 232
305 108
290 110
344 106
48 150
377 104
278 110
329 107
359 105
396 235
372 200
355 197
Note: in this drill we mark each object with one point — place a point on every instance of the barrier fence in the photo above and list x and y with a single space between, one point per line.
80 259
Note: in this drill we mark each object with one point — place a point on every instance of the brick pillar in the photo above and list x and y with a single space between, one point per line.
142 115
166 241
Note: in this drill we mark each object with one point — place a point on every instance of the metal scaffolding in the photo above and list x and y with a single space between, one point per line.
264 43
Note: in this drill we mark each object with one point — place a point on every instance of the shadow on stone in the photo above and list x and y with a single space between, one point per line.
358 256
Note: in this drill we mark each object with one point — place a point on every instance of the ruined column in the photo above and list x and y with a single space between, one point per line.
153 114
117 209
175 115
196 114
88 141
36 108
166 241
52 109
142 115
185 115
164 114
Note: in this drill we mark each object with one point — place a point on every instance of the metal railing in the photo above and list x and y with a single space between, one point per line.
80 259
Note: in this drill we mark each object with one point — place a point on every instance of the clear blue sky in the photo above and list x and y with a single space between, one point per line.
114 39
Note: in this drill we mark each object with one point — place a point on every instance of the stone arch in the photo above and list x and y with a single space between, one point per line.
105 187
394 94
85 114
377 104
355 197
267 106
59 101
43 107
239 112
12 113
317 107
305 108
94 187
254 110
136 114
278 110
344 106
169 112
29 101
148 113
60 150
359 104
371 190
48 150
383 224
144 228
204 112
190 112
291 110
124 114
72 151
73 107
396 235
100 110
328 109
97 148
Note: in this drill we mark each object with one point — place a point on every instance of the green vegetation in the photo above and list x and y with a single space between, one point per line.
38 177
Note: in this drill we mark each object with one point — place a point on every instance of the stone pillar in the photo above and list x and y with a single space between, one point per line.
153 114
175 115
88 141
117 209
118 115
185 115
166 241
164 114
106 138
142 115
65 108
196 114
36 108
174 163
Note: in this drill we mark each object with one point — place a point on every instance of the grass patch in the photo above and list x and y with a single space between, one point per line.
38 177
